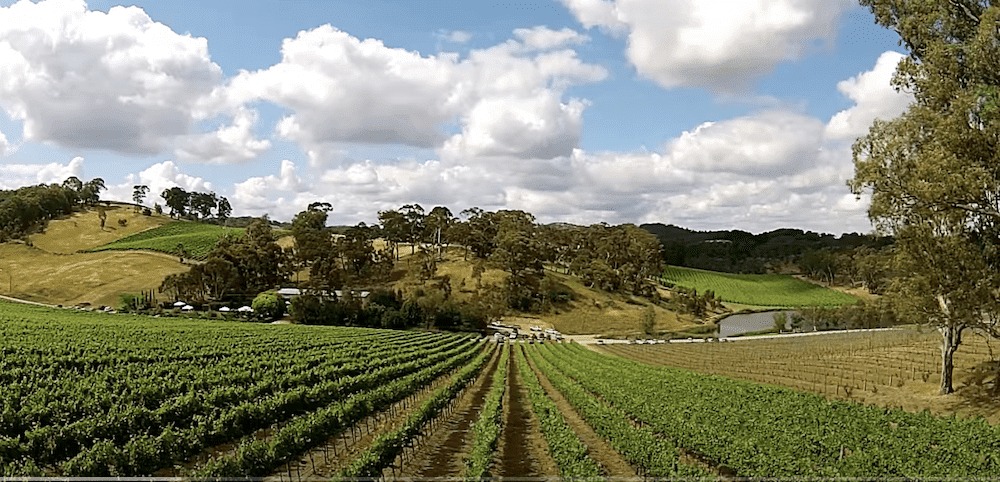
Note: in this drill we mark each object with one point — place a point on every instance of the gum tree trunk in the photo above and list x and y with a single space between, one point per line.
951 338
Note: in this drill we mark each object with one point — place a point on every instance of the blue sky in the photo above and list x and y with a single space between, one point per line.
733 114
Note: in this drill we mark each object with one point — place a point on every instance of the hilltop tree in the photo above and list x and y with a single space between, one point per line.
223 209
481 232
934 172
618 258
73 187
413 224
202 203
177 200
437 225
393 229
91 191
309 230
138 195
258 261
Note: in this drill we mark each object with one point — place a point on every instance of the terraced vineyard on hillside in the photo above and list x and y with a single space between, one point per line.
88 394
198 239
774 290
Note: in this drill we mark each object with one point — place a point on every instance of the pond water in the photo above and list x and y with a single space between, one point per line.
747 322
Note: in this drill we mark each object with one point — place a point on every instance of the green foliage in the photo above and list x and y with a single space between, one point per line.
616 258
269 306
172 388
387 446
933 172
197 238
23 209
759 290
819 263
643 447
759 430
488 426
132 302
649 320
780 320
566 448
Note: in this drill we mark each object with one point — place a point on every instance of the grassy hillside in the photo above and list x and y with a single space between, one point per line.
198 239
777 290
68 279
591 311
82 230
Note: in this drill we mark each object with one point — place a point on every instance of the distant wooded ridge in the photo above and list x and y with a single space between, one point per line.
736 251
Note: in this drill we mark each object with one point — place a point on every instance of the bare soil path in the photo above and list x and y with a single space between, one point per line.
336 453
612 462
328 459
442 454
522 450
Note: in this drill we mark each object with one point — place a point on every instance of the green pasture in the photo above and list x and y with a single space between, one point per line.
777 290
197 238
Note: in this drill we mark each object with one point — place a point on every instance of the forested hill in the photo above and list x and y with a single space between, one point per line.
742 252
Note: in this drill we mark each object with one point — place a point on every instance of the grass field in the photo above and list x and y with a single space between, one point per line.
776 290
198 239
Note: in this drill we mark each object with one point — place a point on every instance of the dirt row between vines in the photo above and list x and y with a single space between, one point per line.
522 450
610 460
442 453
335 455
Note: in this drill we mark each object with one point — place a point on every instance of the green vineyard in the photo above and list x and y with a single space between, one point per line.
775 290
88 394
198 239
112 395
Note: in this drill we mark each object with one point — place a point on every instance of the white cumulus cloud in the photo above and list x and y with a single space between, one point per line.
13 176
227 145
721 44
544 38
341 89
256 193
873 98
765 143
165 175
115 81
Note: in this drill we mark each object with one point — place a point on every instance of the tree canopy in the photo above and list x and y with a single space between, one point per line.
934 171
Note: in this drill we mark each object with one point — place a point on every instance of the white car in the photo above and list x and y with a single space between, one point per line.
513 336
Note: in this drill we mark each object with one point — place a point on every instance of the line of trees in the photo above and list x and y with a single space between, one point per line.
22 210
612 258
183 203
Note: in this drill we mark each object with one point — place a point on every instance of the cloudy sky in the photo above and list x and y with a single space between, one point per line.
728 114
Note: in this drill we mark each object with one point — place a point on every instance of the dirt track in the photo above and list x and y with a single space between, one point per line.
522 450
442 454
612 462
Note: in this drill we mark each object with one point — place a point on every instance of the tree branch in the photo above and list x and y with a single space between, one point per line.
968 13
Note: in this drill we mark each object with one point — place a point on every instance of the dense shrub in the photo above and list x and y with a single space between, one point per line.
268 306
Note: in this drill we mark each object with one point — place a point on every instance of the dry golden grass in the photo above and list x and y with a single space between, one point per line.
70 279
82 230
51 271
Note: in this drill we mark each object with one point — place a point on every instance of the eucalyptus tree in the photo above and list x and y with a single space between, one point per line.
138 195
934 171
